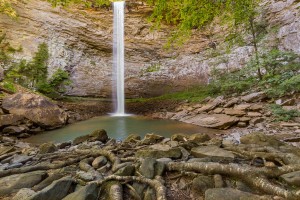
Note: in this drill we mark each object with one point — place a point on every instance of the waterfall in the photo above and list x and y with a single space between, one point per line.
118 59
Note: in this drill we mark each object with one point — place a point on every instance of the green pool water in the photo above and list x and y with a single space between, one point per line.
119 128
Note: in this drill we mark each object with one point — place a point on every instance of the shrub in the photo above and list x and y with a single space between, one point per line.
281 114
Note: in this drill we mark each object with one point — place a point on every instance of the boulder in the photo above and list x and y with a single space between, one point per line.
126 171
180 137
10 119
254 97
159 151
132 138
97 135
57 190
47 148
231 102
14 130
292 178
47 181
211 151
151 138
219 121
20 158
232 111
89 192
13 183
254 114
35 108
228 194
200 184
24 193
99 162
243 107
147 167
260 139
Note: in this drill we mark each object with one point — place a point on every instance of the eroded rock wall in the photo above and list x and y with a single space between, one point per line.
80 41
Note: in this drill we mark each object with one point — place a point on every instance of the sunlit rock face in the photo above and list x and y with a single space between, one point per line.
80 41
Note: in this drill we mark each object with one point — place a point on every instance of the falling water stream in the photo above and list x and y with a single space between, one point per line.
118 59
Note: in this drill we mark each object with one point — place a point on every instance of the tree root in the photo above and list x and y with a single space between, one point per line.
155 184
42 166
111 157
254 177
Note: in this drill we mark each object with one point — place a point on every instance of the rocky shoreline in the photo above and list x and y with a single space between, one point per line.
181 167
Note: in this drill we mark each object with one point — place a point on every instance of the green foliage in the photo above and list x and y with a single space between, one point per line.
281 114
55 85
8 86
30 74
153 68
7 9
280 75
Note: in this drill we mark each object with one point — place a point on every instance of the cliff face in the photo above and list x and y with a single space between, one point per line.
80 41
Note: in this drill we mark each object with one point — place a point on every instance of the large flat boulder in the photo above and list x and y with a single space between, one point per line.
57 190
211 151
35 108
159 151
219 121
13 183
10 119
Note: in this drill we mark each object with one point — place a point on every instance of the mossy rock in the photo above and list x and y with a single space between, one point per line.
261 139
160 151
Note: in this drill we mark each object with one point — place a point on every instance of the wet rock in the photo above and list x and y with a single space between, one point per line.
20 159
64 145
47 181
85 176
211 151
219 121
10 119
292 178
14 130
81 139
180 137
36 108
13 183
159 151
57 190
228 194
200 184
47 148
151 138
99 162
89 192
147 167
149 194
14 165
24 193
261 139
99 135
199 138
132 138
126 171
254 97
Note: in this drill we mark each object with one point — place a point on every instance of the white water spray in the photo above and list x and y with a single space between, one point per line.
118 59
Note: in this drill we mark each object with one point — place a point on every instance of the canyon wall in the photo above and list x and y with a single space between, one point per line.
80 41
